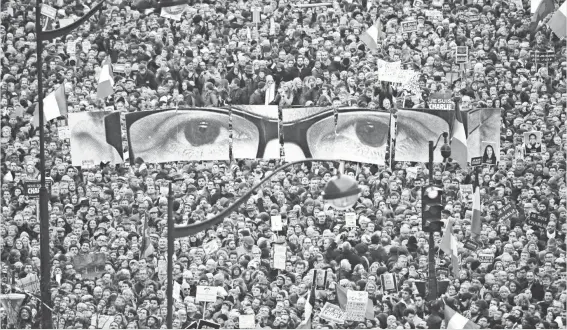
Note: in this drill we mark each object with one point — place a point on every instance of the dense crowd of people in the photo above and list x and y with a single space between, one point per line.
294 56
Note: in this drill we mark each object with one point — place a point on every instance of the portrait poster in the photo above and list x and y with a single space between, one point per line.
483 129
96 137
255 132
532 142
354 134
489 156
415 128
162 136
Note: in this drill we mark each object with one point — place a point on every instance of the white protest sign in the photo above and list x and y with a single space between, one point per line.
87 164
30 283
280 253
246 321
350 219
211 247
47 10
176 291
206 293
276 221
173 12
65 21
356 305
72 47
409 26
64 132
388 71
333 313
86 45
411 172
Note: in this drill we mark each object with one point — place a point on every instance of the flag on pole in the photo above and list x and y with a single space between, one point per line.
105 80
455 320
54 105
449 246
373 35
343 300
543 8
557 23
476 224
459 139
147 246
308 315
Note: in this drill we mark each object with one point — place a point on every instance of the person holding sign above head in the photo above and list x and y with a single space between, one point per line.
489 157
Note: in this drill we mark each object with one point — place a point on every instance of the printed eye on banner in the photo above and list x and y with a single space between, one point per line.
95 136
360 135
415 128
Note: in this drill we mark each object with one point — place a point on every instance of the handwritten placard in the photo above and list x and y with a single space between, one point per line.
461 54
30 283
206 293
356 305
48 11
388 71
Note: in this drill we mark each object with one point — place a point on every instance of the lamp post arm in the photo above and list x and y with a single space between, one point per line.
183 231
52 34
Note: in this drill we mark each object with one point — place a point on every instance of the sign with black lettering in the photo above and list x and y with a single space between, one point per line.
471 245
476 161
461 54
31 188
409 26
537 221
333 313
473 17
506 212
485 258
542 56
441 101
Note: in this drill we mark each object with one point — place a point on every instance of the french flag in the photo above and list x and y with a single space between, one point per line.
105 86
459 139
372 36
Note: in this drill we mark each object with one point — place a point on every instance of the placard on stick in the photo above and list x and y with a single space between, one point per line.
206 293
280 253
461 54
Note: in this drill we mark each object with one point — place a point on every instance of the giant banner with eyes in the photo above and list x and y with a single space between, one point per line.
351 134
415 128
483 139
95 137
254 131
176 135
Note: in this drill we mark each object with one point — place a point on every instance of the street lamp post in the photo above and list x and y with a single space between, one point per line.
446 153
341 192
45 257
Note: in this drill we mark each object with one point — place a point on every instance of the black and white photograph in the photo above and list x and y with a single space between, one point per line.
351 134
178 135
532 142
415 128
483 128
255 132
247 164
489 155
95 137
